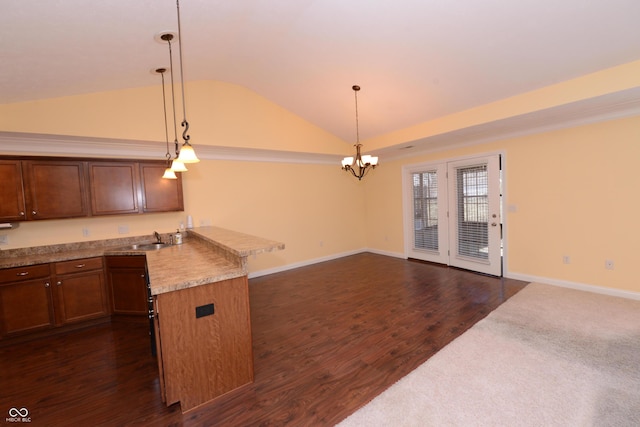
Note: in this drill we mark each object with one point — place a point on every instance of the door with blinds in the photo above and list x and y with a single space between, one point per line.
426 217
454 214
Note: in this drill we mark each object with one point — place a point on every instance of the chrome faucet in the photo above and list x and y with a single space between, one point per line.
158 238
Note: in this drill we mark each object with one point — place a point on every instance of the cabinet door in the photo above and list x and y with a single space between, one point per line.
55 189
80 292
26 306
114 188
158 194
80 297
12 207
128 285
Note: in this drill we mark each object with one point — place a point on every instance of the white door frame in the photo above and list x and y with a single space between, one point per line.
445 251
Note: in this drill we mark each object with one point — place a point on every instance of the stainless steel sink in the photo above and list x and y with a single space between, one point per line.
149 246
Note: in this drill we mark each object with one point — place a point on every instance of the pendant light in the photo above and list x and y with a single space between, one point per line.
187 154
359 165
168 172
177 165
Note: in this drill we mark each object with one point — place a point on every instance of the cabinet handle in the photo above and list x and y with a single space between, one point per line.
46 285
21 213
59 283
142 275
34 213
80 266
22 273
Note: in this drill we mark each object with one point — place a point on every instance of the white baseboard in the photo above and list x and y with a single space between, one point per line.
517 276
280 269
265 272
575 285
386 253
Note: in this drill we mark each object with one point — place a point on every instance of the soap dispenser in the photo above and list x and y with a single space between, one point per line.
178 237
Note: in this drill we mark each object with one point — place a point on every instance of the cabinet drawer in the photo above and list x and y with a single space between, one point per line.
127 261
78 265
16 274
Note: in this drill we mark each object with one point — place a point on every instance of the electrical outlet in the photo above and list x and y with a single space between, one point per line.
608 264
123 229
566 259
85 232
4 239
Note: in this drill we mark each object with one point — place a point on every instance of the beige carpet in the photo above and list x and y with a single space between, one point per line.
549 356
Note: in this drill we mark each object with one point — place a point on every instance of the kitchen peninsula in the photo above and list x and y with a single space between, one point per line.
202 321
198 290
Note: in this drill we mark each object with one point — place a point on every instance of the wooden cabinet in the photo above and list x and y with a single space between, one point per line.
114 188
128 284
39 188
80 291
12 202
55 189
158 194
26 303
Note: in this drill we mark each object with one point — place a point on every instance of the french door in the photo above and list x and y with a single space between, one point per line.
453 214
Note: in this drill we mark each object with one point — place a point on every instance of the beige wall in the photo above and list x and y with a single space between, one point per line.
315 209
574 188
220 114
575 193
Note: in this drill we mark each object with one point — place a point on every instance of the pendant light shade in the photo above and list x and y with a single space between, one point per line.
178 166
169 174
187 154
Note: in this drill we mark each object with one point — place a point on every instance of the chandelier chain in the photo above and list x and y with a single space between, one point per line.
355 91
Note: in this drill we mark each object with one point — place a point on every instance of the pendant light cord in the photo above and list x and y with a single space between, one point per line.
164 108
173 98
185 124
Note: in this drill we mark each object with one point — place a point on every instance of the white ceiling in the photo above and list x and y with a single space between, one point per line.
414 59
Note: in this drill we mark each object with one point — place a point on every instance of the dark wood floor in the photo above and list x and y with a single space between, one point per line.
327 338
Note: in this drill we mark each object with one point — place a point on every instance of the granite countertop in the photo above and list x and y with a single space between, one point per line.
190 264
239 244
208 254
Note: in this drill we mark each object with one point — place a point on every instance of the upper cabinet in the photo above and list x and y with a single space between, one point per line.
114 188
158 194
53 188
12 203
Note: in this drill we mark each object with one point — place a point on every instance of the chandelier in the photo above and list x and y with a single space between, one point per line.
359 165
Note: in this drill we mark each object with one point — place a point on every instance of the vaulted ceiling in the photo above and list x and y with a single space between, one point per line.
416 60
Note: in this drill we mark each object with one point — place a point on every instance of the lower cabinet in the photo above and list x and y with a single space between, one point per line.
26 301
128 284
80 292
46 296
